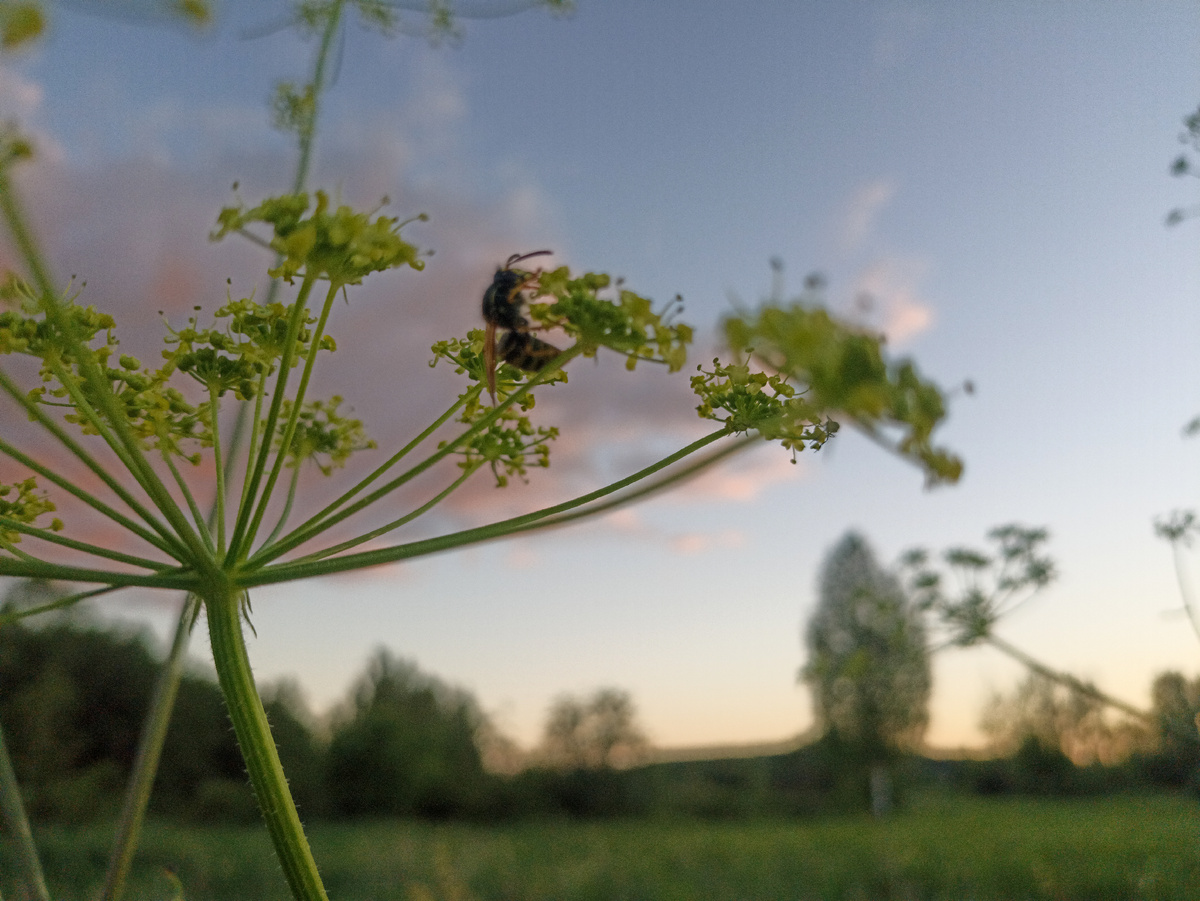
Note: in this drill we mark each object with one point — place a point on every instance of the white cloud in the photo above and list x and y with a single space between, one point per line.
863 211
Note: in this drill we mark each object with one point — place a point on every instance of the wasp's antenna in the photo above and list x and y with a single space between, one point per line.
517 257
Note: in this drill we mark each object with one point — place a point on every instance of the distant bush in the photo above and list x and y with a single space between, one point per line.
405 746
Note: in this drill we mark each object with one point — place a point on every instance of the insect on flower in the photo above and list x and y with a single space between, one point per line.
502 310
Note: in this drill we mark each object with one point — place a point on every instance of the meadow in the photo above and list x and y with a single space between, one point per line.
1102 849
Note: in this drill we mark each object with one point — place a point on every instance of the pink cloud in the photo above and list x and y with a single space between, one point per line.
135 233
889 292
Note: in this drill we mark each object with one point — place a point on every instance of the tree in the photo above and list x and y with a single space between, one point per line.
868 660
1176 710
406 746
600 732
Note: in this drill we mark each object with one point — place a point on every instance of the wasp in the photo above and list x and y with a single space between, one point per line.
502 310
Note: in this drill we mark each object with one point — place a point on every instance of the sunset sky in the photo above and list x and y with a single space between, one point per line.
994 176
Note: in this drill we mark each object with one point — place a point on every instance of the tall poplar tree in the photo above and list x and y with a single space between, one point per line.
868 659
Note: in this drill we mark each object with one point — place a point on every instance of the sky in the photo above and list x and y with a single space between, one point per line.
994 176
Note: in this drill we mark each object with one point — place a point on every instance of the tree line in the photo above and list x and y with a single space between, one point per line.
405 743
73 694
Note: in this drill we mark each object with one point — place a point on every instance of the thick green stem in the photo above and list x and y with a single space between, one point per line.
145 764
224 609
18 828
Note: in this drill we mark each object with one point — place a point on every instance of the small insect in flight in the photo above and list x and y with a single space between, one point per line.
502 310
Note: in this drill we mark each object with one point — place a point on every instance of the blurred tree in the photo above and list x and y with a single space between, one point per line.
600 732
73 692
1175 761
868 662
405 745
72 697
1062 718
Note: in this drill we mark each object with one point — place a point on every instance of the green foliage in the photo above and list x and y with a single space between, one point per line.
20 23
71 701
1175 760
1060 719
406 746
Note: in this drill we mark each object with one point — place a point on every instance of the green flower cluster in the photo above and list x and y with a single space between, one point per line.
322 435
844 373
63 336
340 245
748 401
627 325
241 353
22 509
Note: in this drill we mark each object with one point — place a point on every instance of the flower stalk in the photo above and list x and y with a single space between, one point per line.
224 606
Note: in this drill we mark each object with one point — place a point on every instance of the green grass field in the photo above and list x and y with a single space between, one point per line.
958 850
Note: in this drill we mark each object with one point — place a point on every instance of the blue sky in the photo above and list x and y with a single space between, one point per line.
994 175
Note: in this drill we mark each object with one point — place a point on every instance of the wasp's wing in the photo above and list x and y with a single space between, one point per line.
489 359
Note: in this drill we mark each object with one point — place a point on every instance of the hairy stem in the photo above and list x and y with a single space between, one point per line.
224 608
